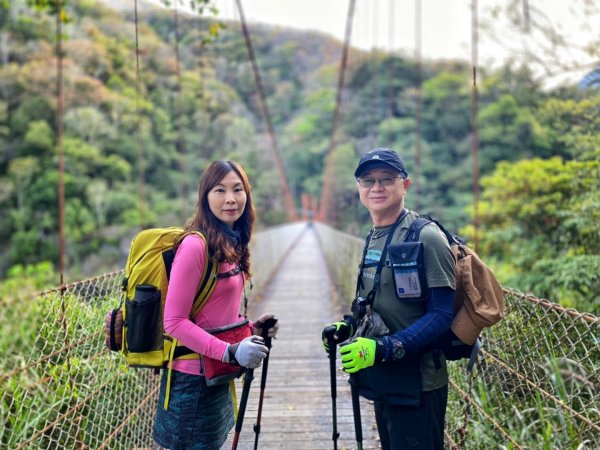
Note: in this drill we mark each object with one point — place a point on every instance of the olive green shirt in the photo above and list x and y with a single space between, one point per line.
400 314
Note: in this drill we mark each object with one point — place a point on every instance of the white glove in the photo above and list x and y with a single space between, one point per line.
247 353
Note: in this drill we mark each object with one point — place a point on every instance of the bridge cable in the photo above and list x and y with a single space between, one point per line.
474 124
462 431
326 192
391 21
140 141
287 195
201 67
526 17
60 111
180 124
418 102
374 85
387 101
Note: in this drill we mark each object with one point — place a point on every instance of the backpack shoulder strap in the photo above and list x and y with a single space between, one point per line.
452 239
414 230
208 282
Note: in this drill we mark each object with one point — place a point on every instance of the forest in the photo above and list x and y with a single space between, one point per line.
138 132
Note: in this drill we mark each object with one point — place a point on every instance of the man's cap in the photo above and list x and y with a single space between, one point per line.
381 158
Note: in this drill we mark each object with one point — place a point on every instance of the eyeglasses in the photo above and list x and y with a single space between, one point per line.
370 182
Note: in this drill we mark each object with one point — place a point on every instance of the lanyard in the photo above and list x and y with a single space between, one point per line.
371 295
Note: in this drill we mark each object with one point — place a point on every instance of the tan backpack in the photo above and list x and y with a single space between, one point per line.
479 299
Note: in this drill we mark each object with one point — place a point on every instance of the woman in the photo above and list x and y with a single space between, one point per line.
201 416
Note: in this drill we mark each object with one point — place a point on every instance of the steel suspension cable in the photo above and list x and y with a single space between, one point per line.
200 61
140 141
375 83
326 192
60 106
418 103
475 124
287 195
180 123
391 22
375 24
60 111
389 101
526 16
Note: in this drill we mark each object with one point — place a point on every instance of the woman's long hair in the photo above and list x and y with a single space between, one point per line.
220 246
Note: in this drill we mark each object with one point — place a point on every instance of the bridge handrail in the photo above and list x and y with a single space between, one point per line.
59 385
537 384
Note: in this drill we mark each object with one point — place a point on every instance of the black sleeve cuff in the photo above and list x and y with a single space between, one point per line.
232 349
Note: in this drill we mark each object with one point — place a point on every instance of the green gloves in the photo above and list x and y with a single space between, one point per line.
338 331
361 353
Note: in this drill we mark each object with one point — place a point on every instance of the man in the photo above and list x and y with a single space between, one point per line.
399 371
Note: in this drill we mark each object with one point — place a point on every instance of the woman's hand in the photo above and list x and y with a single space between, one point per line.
259 323
247 353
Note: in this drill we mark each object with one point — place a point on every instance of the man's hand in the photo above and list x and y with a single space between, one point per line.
361 353
338 331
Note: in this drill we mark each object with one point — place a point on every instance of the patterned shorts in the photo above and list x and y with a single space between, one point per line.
198 417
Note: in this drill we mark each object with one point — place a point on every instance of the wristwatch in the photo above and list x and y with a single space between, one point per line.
397 350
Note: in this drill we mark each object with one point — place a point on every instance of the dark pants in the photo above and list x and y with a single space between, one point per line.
404 427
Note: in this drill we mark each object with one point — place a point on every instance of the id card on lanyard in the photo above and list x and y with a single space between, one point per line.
406 261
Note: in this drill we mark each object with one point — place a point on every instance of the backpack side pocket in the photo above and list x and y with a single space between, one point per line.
144 320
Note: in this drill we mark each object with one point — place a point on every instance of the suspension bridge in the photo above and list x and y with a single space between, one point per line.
61 387
536 384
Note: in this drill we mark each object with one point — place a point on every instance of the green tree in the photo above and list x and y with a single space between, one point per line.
22 171
39 140
89 124
96 193
446 100
540 218
572 125
508 131
32 108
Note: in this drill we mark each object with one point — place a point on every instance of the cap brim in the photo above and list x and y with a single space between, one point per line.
370 165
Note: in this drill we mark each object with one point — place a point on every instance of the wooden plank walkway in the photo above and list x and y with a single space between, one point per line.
297 412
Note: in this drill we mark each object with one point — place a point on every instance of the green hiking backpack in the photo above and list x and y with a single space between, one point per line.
135 329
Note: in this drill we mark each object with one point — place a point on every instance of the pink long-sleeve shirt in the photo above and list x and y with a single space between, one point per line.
222 308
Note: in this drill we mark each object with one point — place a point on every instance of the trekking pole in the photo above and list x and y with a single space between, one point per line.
356 411
335 435
248 377
269 323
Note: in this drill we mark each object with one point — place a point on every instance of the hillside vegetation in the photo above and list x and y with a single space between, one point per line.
135 147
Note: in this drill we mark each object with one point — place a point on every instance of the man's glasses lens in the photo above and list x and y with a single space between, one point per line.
370 182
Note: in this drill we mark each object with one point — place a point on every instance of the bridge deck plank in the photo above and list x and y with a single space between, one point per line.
297 411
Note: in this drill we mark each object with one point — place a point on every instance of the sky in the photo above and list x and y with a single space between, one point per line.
445 24
446 30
